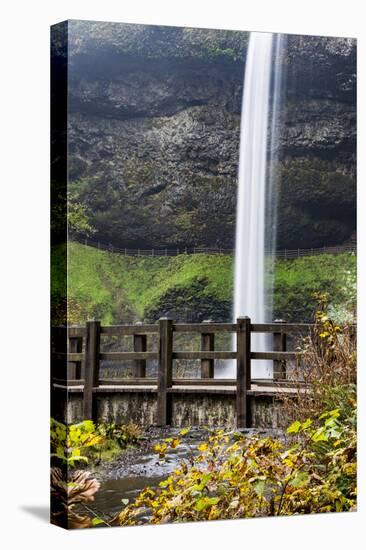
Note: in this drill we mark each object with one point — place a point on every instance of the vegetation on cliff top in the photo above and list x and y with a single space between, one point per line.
157 41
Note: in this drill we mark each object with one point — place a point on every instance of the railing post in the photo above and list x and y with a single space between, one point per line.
91 370
279 344
74 367
139 344
243 372
165 371
207 344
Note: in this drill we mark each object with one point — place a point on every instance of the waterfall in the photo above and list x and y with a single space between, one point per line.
256 199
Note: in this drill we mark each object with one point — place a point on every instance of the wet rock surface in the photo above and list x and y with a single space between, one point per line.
154 128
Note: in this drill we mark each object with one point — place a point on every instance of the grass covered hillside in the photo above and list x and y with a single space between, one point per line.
122 289
117 288
298 281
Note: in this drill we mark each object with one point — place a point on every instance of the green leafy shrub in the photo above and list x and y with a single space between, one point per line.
77 444
78 215
72 488
328 367
314 470
116 437
69 441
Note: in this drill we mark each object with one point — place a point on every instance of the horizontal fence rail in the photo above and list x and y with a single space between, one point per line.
76 356
280 254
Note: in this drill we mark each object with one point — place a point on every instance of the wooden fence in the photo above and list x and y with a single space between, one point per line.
286 254
77 355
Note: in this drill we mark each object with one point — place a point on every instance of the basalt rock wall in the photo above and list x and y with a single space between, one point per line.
153 135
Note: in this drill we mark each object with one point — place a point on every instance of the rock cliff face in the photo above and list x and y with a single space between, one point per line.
154 122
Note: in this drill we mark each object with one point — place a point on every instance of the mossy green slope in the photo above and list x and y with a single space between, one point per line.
116 288
297 282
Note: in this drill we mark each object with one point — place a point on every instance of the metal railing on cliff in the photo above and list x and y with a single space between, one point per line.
286 254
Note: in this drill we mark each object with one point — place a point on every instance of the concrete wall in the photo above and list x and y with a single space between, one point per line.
194 409
122 408
187 409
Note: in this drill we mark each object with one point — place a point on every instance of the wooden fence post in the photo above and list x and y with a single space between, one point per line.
74 367
165 370
91 370
243 372
207 344
279 344
139 344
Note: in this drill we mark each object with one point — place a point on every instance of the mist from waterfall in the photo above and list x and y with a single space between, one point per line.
256 217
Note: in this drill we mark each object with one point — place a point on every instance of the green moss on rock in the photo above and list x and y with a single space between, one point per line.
121 289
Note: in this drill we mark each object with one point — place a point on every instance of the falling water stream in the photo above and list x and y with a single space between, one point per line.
255 240
256 200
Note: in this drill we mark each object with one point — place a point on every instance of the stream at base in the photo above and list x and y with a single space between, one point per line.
139 467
